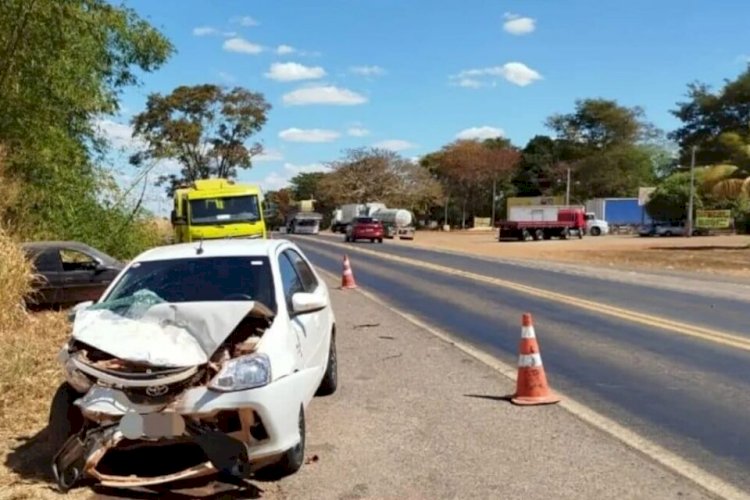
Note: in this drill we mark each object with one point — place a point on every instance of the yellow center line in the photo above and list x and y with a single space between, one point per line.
684 329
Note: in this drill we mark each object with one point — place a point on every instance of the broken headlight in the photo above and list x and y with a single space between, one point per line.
245 372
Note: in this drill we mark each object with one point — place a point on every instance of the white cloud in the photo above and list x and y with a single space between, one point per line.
229 33
323 95
268 155
280 179
246 21
517 25
514 72
367 70
357 132
308 135
291 72
119 135
242 46
395 145
285 49
485 132
204 31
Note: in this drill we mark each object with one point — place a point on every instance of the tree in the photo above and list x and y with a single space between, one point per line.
204 128
373 174
541 170
598 124
669 201
468 168
305 185
716 123
616 172
62 66
281 203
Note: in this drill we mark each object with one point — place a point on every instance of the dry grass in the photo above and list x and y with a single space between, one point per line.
28 379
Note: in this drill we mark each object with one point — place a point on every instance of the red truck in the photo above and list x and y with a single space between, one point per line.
543 222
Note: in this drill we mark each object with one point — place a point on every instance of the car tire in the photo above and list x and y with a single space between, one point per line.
292 459
595 231
65 418
331 376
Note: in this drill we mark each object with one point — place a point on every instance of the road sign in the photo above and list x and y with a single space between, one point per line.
713 219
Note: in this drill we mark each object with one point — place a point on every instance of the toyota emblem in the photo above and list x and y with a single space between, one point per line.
157 390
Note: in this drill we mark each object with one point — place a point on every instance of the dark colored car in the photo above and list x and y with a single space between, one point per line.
69 272
365 228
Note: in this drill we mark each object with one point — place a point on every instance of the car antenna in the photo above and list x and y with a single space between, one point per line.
199 250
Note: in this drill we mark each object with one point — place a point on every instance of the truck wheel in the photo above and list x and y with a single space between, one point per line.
525 235
565 234
539 234
596 231
580 234
380 240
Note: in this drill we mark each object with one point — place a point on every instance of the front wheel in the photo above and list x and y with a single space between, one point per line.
291 461
331 377
595 231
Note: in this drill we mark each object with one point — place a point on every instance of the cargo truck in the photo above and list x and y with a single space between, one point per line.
543 222
217 208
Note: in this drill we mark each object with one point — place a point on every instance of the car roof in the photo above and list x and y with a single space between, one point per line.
215 248
40 246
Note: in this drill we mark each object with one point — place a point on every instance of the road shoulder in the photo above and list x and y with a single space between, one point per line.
414 417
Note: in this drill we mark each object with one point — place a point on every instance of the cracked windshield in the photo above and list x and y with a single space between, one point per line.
308 250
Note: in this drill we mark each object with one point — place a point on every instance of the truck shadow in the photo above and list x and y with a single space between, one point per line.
704 248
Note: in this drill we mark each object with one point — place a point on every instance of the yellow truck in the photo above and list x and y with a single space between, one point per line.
218 208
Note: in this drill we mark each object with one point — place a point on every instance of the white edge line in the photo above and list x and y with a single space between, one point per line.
707 481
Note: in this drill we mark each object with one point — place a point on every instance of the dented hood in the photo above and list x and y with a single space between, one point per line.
162 334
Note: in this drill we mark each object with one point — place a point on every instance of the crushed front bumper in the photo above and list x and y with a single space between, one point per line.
264 425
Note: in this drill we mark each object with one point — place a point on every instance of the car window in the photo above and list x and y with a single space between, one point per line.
74 260
46 261
309 282
290 280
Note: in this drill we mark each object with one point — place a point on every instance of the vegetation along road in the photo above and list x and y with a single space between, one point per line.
671 366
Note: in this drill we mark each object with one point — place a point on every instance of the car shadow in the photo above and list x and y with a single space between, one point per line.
32 457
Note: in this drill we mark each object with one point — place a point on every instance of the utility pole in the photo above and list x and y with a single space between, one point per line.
567 190
692 189
494 201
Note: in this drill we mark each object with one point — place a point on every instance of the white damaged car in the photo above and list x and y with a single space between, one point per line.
199 359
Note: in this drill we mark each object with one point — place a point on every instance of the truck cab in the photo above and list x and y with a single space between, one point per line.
218 208
594 226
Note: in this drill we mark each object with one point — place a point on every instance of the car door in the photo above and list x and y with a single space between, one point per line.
80 276
302 324
317 347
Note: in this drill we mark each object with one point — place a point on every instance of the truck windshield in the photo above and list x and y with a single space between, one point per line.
198 279
225 209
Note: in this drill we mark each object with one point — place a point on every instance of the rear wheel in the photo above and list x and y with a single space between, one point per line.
565 234
372 240
525 235
380 240
539 234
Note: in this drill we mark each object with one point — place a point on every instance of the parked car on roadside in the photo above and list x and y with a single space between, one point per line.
68 272
667 229
365 228
199 360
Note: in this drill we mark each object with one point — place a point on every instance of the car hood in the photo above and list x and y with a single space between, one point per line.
162 334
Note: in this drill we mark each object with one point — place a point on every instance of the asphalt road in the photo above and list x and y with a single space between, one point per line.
688 393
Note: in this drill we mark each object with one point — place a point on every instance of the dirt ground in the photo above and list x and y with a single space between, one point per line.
727 255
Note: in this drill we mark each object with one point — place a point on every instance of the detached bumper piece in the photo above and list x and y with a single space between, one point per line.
104 454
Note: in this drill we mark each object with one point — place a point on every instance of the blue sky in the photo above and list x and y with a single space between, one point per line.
416 75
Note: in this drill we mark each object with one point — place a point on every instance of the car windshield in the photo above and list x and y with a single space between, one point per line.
200 279
225 209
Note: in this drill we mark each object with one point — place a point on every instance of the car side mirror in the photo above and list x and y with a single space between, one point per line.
78 308
176 221
308 302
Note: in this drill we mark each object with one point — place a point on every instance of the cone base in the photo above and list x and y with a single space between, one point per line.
347 287
549 399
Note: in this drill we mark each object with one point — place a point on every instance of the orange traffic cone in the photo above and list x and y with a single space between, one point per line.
531 384
347 277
